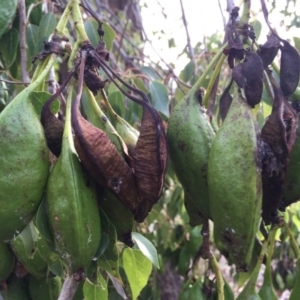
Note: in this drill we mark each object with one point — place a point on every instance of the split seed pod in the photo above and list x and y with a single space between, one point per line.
100 157
248 75
150 152
278 137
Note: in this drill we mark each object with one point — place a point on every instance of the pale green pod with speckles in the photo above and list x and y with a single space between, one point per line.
234 181
190 136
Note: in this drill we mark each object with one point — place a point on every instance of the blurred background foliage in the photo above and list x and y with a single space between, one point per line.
167 226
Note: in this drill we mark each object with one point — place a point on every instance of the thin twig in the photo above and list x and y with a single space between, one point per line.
123 33
23 51
13 82
68 289
188 39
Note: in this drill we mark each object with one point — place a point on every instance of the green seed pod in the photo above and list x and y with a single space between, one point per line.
7 261
190 136
234 182
45 288
72 208
24 164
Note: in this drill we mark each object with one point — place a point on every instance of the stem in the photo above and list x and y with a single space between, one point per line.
82 36
293 241
64 19
212 80
22 29
68 289
202 78
219 277
244 20
43 70
188 39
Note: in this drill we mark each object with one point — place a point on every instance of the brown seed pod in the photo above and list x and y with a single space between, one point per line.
225 101
289 69
150 153
53 127
93 81
248 75
269 50
278 137
99 155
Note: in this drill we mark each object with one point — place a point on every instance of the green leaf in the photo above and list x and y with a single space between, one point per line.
116 100
9 46
46 28
297 43
29 239
137 268
192 292
105 229
96 292
109 260
32 39
41 223
7 13
188 71
159 96
38 99
109 36
91 26
146 247
257 28
148 71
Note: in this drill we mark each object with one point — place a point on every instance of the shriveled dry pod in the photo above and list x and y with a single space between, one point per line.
289 69
93 81
53 127
100 157
248 75
150 153
278 137
269 50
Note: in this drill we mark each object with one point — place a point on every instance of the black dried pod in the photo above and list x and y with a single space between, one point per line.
225 101
289 69
236 51
269 50
248 75
93 81
278 137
